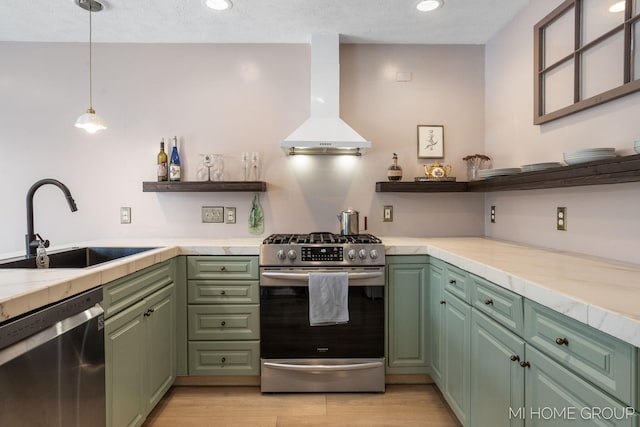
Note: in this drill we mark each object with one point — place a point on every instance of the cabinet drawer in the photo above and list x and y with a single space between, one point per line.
222 322
456 281
500 304
223 292
222 267
122 293
224 358
601 359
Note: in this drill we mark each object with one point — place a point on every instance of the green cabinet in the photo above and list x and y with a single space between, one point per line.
497 379
222 315
450 322
407 299
139 343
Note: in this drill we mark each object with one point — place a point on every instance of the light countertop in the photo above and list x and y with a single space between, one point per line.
599 292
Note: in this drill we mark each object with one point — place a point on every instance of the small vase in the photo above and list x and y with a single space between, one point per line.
472 172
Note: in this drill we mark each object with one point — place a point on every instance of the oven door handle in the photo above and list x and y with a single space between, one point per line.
323 368
305 276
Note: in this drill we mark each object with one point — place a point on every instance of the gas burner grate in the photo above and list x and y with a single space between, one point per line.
319 238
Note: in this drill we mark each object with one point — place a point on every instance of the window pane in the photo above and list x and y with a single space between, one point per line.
558 88
602 66
635 54
559 38
597 19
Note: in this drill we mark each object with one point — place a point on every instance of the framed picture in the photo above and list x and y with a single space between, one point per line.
430 141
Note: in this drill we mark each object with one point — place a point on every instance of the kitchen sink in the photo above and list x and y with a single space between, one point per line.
75 257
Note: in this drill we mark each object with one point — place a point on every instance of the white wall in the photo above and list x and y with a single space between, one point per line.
227 99
602 220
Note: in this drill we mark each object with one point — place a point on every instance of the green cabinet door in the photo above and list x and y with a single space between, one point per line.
457 343
436 320
497 379
557 397
407 327
124 355
160 369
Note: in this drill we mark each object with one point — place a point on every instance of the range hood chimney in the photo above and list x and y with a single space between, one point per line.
324 132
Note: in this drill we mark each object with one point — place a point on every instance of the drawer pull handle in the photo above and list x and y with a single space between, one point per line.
525 364
223 323
514 358
149 312
562 341
224 359
452 281
488 301
223 268
223 292
442 301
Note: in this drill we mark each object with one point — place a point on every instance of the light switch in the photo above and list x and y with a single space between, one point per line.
213 214
387 215
125 215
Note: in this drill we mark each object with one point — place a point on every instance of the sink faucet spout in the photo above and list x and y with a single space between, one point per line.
32 240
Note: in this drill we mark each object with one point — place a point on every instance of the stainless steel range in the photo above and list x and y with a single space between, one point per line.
334 356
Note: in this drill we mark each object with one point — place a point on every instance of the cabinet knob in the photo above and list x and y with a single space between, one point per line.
514 358
525 364
488 301
452 281
224 359
223 268
562 341
223 323
223 292
442 301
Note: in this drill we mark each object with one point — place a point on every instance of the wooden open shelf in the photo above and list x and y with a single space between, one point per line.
600 172
204 186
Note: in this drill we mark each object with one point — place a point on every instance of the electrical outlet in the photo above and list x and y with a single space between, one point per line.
125 215
230 215
561 218
213 214
492 214
387 215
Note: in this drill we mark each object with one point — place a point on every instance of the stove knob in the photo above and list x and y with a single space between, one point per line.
373 254
362 254
351 254
281 254
292 254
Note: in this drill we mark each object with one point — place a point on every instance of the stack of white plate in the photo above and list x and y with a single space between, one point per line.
636 146
488 173
540 166
588 155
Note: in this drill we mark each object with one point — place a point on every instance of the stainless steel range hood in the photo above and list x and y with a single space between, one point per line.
325 132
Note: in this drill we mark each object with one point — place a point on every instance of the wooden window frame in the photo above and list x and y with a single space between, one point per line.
541 69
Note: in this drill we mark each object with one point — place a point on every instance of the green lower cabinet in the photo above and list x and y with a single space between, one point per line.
140 357
407 300
557 397
497 379
457 343
436 321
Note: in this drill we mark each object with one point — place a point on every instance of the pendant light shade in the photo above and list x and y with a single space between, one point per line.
90 121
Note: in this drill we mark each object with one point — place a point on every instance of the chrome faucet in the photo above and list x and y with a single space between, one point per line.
34 240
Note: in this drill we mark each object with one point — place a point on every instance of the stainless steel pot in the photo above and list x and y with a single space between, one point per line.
349 222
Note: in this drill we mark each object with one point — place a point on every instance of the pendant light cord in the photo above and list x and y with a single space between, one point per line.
90 57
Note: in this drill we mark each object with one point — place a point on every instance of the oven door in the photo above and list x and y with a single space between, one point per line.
284 316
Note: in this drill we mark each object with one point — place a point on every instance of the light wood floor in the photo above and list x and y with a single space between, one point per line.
400 405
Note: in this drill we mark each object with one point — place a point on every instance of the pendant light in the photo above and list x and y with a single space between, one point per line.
89 121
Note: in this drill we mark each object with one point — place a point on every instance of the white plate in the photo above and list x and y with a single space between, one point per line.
540 166
590 151
488 173
584 159
636 146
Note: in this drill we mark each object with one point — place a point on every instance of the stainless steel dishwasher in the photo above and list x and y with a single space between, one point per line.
52 365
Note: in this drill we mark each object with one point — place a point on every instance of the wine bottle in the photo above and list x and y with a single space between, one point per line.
394 172
162 163
174 163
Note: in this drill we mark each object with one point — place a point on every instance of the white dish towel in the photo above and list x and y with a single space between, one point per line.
328 298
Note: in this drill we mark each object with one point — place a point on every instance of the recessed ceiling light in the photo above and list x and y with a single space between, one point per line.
617 7
219 4
429 5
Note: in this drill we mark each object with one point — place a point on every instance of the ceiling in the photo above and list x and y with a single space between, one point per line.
256 21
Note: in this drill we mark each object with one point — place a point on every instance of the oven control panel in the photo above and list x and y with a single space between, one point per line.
321 253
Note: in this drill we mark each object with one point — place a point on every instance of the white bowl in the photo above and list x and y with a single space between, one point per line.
636 146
